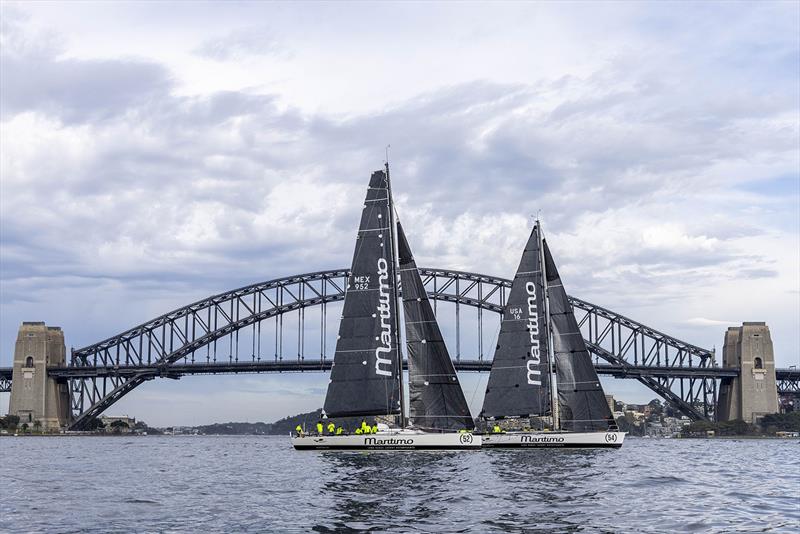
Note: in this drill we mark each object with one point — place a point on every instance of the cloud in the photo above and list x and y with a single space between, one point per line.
242 43
702 321
665 176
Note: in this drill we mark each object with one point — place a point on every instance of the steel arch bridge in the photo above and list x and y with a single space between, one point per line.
208 337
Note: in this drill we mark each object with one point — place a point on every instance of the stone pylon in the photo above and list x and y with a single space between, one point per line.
34 395
754 393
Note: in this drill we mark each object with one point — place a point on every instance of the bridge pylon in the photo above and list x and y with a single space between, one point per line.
35 396
754 393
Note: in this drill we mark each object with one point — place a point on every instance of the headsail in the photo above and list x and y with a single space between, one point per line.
583 406
436 399
365 378
519 379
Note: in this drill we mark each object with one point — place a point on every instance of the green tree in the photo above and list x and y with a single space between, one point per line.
117 426
24 427
37 425
12 421
94 424
787 422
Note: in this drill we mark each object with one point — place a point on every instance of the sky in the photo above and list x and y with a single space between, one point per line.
155 153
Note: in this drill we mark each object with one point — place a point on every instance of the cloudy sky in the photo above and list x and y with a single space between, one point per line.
154 153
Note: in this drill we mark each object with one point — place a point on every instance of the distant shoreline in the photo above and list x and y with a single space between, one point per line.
131 435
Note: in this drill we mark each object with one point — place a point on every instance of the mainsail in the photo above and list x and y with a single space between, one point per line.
583 406
519 379
436 399
365 378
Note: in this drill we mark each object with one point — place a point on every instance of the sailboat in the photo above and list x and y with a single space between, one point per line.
367 375
542 377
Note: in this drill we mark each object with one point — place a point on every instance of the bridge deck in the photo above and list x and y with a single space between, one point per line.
309 365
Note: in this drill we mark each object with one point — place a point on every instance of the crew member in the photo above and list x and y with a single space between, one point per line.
374 429
299 430
339 431
331 428
319 428
496 429
364 427
358 431
612 424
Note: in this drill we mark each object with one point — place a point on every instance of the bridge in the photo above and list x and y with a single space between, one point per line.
282 326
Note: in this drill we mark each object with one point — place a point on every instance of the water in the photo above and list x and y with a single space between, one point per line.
260 484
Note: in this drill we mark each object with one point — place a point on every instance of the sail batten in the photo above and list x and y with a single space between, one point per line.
436 400
364 378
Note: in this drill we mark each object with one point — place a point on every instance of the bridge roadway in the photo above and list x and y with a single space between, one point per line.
788 379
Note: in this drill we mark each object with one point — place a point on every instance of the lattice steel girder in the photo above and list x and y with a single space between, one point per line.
157 337
180 333
788 380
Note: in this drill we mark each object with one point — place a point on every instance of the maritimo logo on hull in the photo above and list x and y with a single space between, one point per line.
541 439
388 441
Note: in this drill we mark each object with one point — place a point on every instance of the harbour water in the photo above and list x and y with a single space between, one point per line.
260 484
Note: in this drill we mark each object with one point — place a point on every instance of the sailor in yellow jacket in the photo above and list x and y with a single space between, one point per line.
319 428
331 428
298 430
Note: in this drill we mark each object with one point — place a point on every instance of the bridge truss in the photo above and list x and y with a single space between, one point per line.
283 325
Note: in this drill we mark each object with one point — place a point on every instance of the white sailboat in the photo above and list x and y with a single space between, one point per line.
367 373
542 377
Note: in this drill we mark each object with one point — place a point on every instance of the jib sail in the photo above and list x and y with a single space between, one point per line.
436 399
583 406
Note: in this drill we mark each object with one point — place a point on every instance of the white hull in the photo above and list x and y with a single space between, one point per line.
390 440
554 440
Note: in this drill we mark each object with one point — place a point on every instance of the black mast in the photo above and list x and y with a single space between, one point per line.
395 293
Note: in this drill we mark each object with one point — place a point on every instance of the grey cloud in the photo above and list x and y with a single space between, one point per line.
78 90
758 273
160 163
256 41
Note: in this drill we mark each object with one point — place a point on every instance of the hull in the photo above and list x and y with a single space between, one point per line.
390 440
565 440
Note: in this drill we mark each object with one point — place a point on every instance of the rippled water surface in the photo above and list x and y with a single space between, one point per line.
260 484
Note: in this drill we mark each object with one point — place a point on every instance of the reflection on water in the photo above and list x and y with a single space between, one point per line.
376 485
260 484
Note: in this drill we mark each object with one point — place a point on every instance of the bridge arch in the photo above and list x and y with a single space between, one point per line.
102 373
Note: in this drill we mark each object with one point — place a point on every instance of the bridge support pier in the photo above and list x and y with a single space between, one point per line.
754 393
34 395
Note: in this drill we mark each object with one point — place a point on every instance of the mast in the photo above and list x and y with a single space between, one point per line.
395 293
554 407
